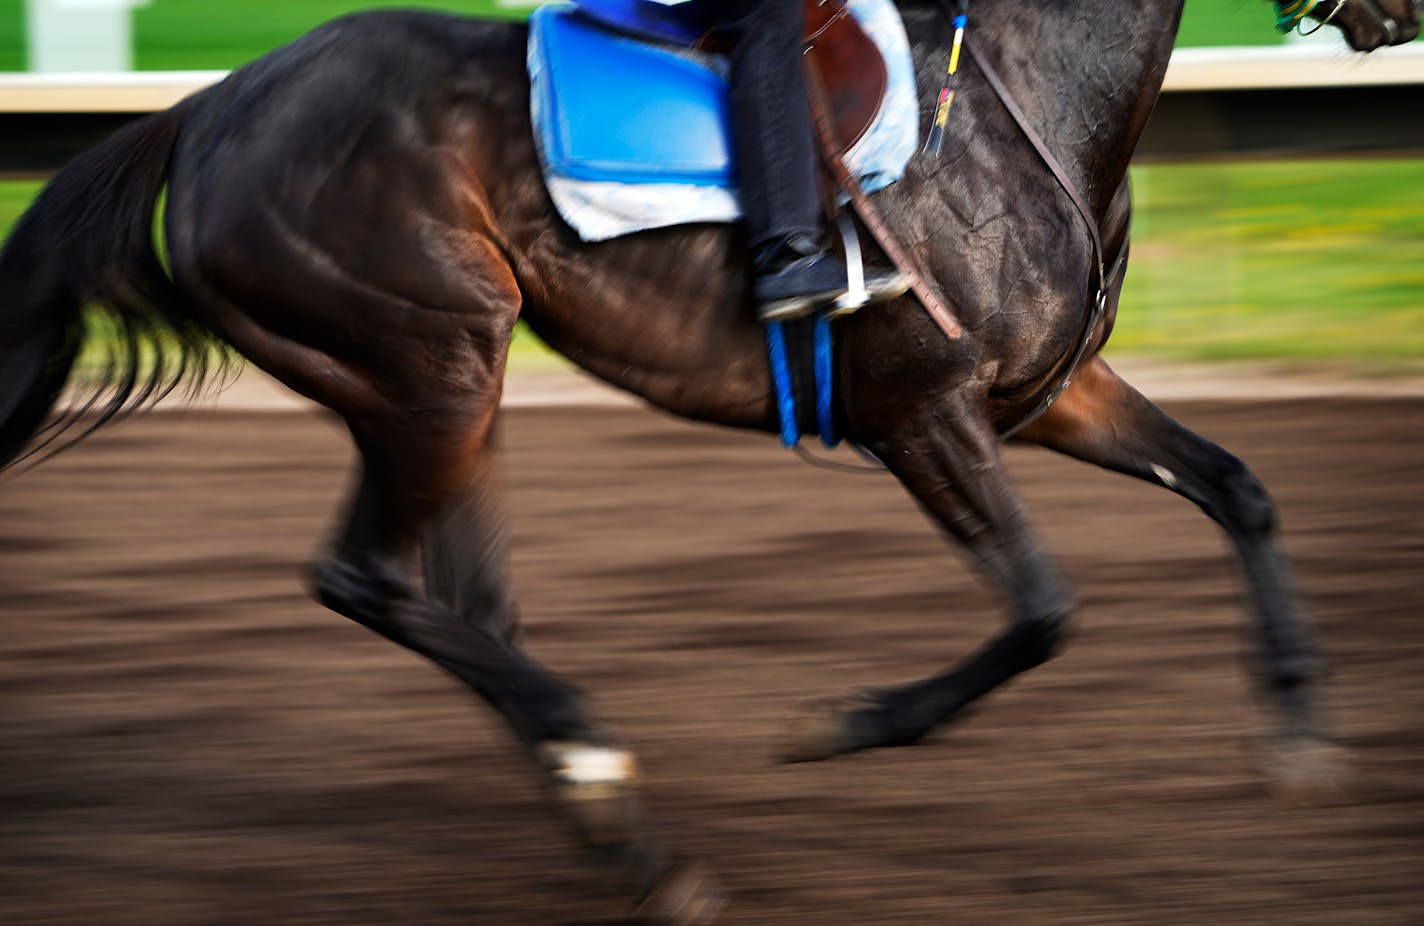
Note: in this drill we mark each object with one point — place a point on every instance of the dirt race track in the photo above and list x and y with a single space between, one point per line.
186 739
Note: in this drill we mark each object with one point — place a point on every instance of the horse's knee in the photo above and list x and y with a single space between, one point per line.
1246 506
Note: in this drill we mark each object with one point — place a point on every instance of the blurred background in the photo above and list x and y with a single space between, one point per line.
1291 237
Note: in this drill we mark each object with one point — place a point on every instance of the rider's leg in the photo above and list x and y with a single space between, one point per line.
774 139
775 147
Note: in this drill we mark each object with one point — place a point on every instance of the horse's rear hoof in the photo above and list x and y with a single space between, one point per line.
817 734
596 786
688 895
829 727
1306 771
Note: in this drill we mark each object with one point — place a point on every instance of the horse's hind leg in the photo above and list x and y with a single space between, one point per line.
466 555
411 476
1103 420
421 415
948 458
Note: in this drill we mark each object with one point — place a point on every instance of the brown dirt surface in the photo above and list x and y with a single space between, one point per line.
186 739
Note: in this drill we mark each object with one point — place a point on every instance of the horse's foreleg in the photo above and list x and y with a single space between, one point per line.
951 464
1103 420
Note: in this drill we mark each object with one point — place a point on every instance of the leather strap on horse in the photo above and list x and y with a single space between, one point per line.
874 221
1106 276
1059 174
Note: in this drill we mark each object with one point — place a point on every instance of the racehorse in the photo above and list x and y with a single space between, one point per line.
361 214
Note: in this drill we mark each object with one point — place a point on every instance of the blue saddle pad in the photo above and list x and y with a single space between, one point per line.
634 136
680 23
614 108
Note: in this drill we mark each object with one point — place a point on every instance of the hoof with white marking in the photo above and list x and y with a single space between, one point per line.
597 787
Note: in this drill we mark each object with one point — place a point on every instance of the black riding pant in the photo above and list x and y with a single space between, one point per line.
773 136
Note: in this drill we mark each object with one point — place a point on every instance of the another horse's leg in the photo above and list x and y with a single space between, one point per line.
1101 419
949 460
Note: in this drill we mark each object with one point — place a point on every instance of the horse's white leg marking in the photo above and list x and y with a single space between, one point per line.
598 788
1165 474
579 764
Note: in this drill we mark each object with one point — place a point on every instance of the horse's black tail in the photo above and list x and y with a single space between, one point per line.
87 242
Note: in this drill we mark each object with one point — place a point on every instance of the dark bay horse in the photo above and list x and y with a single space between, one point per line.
361 215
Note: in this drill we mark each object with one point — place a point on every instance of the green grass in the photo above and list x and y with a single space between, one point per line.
15 195
1225 22
12 35
202 34
1320 260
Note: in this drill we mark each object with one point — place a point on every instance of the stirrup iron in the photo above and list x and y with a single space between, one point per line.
856 294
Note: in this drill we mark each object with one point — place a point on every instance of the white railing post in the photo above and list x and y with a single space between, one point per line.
80 35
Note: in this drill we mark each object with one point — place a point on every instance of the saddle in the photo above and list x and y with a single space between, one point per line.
846 62
633 92
629 104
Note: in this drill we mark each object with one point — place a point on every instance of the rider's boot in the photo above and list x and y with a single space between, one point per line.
795 276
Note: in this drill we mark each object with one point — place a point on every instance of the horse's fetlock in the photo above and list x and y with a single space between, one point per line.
1302 669
352 592
1298 709
1046 634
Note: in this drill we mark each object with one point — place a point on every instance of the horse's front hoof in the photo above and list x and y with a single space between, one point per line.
830 727
596 786
1306 770
688 895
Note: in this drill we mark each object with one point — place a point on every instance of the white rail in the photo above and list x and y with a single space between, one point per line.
1192 69
1291 67
94 92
